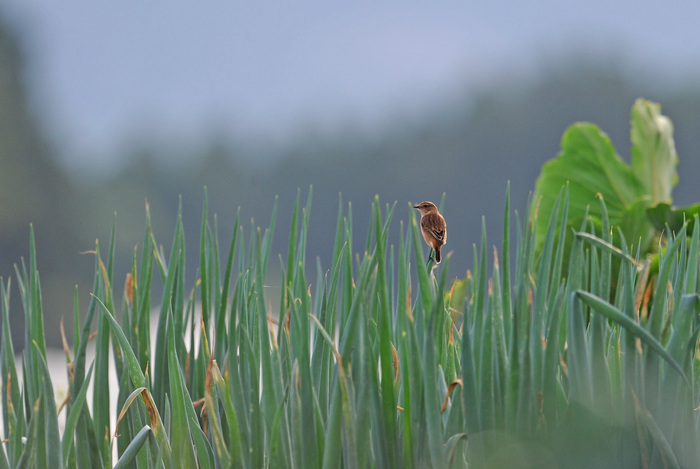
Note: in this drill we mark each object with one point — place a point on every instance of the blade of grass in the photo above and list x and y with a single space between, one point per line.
170 275
72 418
101 385
180 433
384 326
28 456
223 389
432 400
11 399
50 444
128 456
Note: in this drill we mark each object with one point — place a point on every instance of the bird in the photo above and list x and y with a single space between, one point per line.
433 228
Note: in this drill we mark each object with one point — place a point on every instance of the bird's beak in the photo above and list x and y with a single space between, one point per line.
415 206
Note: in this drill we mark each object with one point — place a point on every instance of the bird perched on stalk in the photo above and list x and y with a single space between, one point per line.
433 227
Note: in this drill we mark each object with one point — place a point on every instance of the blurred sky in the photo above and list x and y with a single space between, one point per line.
106 73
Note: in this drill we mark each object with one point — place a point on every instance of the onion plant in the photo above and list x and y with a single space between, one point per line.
373 358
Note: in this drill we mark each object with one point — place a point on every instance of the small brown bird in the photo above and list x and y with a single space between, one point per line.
433 227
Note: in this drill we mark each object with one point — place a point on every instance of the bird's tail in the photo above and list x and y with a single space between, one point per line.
437 256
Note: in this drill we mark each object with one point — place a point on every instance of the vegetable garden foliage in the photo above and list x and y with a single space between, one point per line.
638 197
377 359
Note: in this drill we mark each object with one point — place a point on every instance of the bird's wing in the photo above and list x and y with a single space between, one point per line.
429 225
438 234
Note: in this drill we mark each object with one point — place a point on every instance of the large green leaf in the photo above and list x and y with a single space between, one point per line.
589 166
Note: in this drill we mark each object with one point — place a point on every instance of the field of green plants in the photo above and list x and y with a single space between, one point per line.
572 344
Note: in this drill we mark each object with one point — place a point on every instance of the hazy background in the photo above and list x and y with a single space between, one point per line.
103 105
